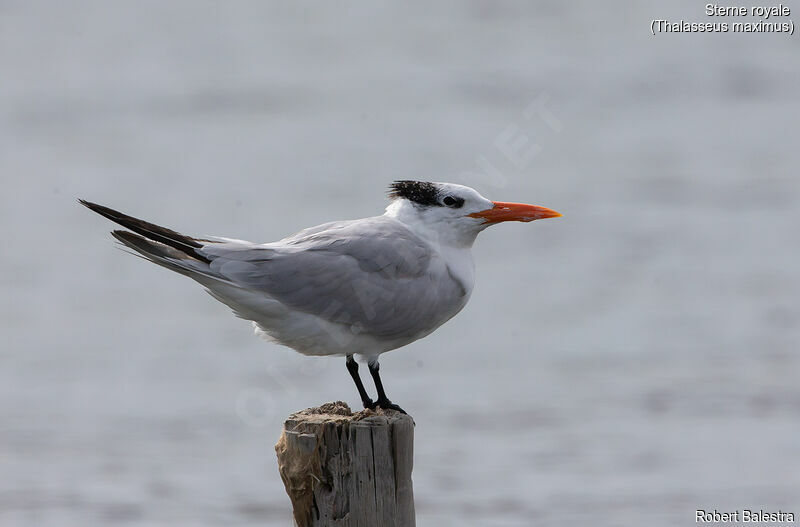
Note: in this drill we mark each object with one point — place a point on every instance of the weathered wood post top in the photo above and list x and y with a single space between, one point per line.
348 469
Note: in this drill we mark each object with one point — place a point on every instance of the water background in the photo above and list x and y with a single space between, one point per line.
623 365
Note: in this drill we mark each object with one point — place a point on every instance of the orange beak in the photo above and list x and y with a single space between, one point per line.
503 211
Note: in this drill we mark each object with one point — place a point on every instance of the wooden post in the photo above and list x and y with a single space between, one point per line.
342 469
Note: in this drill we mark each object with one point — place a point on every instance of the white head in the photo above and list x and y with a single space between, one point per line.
454 214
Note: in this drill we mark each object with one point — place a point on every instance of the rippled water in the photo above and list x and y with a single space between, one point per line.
624 365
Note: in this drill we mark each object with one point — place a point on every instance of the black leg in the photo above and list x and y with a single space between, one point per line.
382 401
352 367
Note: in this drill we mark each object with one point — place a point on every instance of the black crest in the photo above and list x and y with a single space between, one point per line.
421 192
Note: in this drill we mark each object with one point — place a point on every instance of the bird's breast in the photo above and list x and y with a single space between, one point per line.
460 268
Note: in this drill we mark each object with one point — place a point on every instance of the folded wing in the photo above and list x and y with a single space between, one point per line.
372 275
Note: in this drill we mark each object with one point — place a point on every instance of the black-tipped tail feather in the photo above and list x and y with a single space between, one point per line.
176 252
171 258
150 249
181 244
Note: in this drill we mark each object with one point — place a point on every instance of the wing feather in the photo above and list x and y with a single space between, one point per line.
374 275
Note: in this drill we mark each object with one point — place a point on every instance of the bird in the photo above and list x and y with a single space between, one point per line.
355 288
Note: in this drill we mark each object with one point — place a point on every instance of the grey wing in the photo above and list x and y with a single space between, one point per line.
373 275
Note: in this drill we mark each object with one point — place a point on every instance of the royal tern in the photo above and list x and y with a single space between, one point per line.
359 287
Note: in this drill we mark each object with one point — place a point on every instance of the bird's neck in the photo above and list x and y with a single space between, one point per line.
447 239
438 232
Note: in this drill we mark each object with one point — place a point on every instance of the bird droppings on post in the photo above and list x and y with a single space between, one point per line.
348 469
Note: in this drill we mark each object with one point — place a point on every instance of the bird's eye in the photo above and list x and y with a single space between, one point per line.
450 201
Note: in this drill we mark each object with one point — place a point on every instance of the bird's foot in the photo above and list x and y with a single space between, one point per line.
385 404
